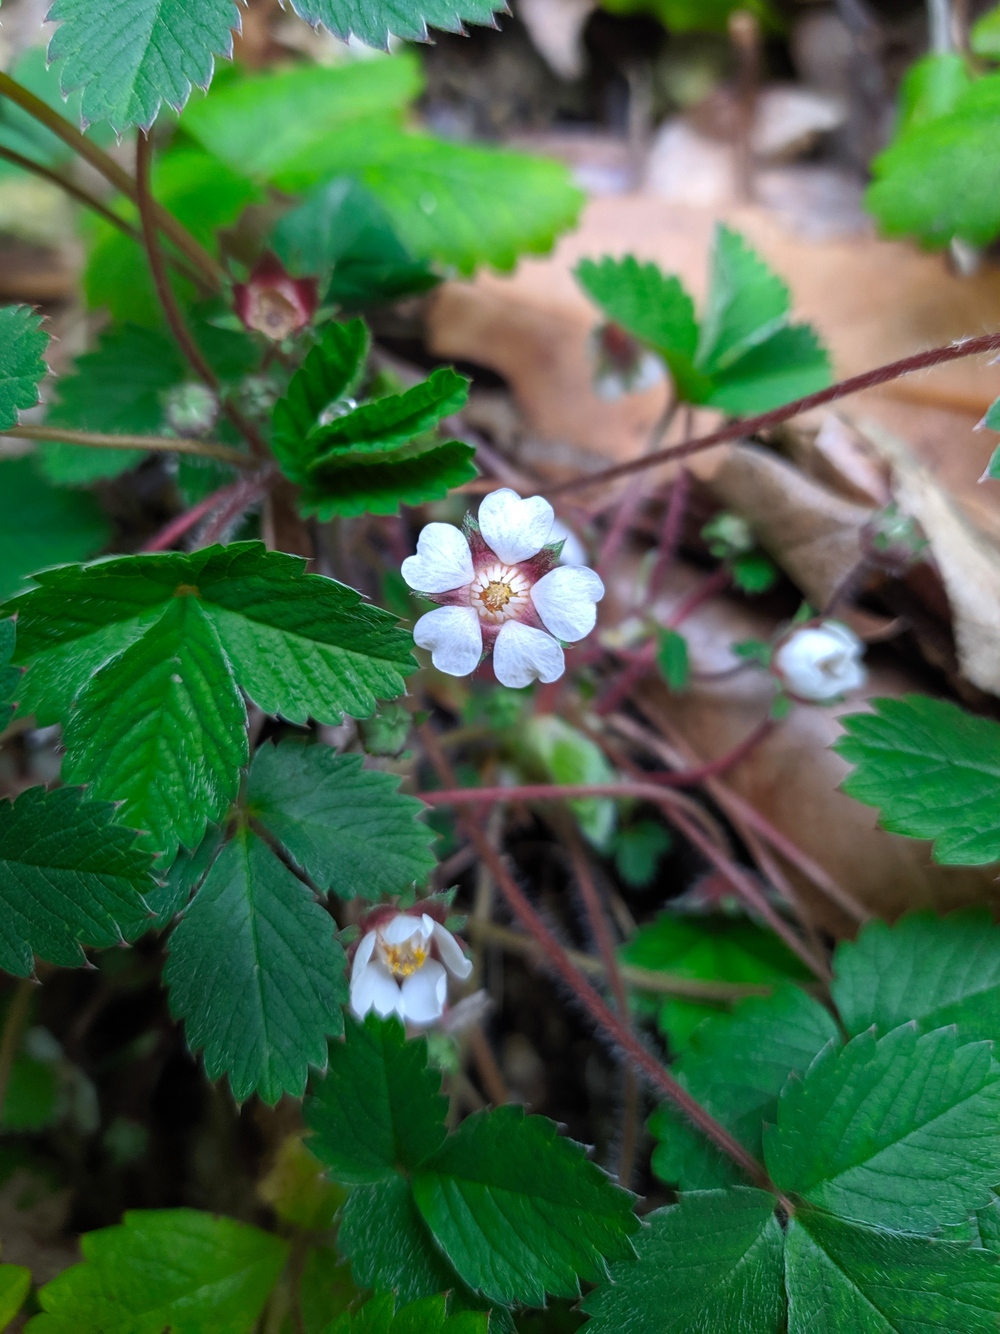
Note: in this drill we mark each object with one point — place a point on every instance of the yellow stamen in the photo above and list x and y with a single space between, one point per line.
404 960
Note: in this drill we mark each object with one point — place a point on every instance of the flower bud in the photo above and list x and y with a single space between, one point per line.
819 662
274 303
191 409
892 540
624 366
728 535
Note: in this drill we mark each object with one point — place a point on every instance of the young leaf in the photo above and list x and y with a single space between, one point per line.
672 659
350 829
256 973
15 1283
736 1066
933 769
354 482
394 420
70 876
638 850
713 1261
429 1315
379 1110
40 525
22 343
747 303
374 23
791 363
553 1217
160 1269
845 1276
329 373
933 970
899 1132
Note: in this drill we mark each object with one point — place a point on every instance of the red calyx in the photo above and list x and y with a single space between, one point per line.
274 303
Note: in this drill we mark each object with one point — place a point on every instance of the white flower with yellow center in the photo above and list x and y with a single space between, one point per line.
395 970
501 587
817 663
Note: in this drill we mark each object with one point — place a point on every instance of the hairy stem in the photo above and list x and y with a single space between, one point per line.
158 444
17 1017
183 523
893 370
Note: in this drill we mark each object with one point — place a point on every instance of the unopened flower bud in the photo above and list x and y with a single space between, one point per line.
892 540
819 662
274 303
191 409
624 366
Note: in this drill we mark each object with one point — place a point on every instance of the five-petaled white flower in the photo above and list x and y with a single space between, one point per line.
395 971
500 586
820 662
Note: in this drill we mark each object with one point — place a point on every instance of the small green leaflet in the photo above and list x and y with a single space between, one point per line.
713 1261
330 372
931 88
349 829
672 659
745 357
347 484
933 970
70 876
564 754
15 1283
898 1132
427 1316
932 769
40 525
375 22
638 850
257 974
174 1269
22 343
388 422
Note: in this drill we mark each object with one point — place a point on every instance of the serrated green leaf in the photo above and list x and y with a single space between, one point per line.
256 973
519 1210
116 389
386 423
933 970
22 367
132 58
15 1282
984 39
183 879
379 1110
70 875
933 770
389 1244
350 829
359 483
992 423
898 1132
788 365
747 303
41 525
165 1269
374 23
843 1276
330 372
713 1261
736 1066
162 728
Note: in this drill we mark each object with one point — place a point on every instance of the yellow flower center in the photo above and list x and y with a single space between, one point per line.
499 592
404 960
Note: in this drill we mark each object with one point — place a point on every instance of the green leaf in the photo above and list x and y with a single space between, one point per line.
15 1283
391 421
69 876
256 973
353 482
992 423
652 307
40 525
350 829
713 1261
131 59
116 389
10 675
789 365
379 1110
32 1099
162 728
638 850
27 136
754 573
747 303
22 368
933 970
564 755
519 1211
899 1132
932 769
843 1276
940 180
984 39
736 1066
672 659
931 87
165 1269
375 22
429 1315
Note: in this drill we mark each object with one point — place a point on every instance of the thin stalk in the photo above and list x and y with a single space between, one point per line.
158 444
212 274
183 523
245 493
740 426
17 1017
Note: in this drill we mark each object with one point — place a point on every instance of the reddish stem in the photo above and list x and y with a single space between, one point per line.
717 582
178 526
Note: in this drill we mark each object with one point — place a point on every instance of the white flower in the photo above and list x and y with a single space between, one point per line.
819 663
502 588
395 971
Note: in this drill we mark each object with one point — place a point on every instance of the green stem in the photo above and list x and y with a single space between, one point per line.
17 1017
159 444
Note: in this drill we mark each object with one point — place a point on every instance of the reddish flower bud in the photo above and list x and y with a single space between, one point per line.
273 302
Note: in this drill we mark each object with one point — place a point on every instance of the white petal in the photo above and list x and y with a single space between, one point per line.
366 947
451 952
400 928
522 654
424 993
375 987
443 560
573 552
820 662
454 638
566 599
514 528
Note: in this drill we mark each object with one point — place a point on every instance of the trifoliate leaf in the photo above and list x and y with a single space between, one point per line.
354 482
713 1261
379 1110
933 970
118 389
15 1283
736 1066
22 343
350 829
41 525
389 422
256 973
375 22
165 1269
330 372
162 728
984 39
932 769
70 876
554 1218
132 58
843 1276
899 1132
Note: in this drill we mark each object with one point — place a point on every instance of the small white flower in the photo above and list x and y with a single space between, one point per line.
502 588
395 971
819 663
